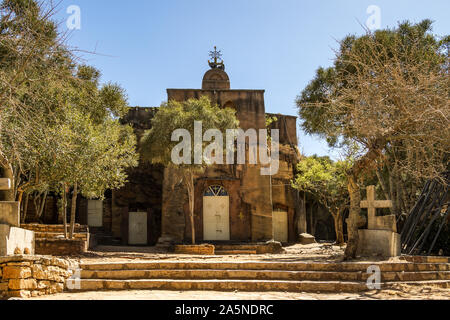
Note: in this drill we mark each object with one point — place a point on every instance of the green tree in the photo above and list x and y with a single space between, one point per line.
59 128
157 145
34 71
326 180
387 94
95 148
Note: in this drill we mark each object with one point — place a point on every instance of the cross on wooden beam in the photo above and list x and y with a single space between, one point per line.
372 205
5 184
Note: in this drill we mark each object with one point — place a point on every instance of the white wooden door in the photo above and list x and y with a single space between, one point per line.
216 215
137 228
280 226
95 213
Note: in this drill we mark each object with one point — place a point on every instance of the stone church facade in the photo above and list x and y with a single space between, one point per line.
232 202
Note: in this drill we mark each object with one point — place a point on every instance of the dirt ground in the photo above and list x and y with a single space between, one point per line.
296 253
323 252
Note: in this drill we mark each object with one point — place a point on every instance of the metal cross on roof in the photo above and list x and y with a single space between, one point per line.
216 55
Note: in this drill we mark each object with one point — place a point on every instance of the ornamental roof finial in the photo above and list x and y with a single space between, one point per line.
216 55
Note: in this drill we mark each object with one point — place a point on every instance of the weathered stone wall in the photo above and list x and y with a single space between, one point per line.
156 191
33 276
250 207
10 213
249 104
60 247
143 192
175 198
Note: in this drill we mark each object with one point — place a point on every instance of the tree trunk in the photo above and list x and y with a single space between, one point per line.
338 226
23 217
189 181
303 223
73 210
353 219
40 205
64 210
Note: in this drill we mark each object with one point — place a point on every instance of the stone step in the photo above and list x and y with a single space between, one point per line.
57 235
233 285
280 266
231 247
234 252
260 274
53 228
220 285
420 259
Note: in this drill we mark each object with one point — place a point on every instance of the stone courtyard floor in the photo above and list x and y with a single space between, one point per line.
294 253
406 293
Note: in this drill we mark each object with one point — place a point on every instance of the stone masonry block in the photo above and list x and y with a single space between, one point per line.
10 272
22 284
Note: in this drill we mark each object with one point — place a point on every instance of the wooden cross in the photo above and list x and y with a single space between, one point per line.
5 184
372 205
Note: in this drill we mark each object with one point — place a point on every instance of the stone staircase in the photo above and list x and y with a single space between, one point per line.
257 276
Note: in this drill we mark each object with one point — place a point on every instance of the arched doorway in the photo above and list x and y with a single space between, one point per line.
216 214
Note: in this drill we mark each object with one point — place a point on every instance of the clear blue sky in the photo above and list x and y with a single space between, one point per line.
276 45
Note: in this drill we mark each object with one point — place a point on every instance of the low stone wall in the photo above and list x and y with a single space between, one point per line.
50 241
49 228
200 249
33 276
60 247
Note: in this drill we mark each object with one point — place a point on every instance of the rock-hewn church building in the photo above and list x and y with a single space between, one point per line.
232 202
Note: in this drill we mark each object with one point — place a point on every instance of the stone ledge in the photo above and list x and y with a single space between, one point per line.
205 249
57 228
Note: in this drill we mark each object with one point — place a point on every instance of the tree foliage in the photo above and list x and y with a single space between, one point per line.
387 94
59 126
326 180
157 145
